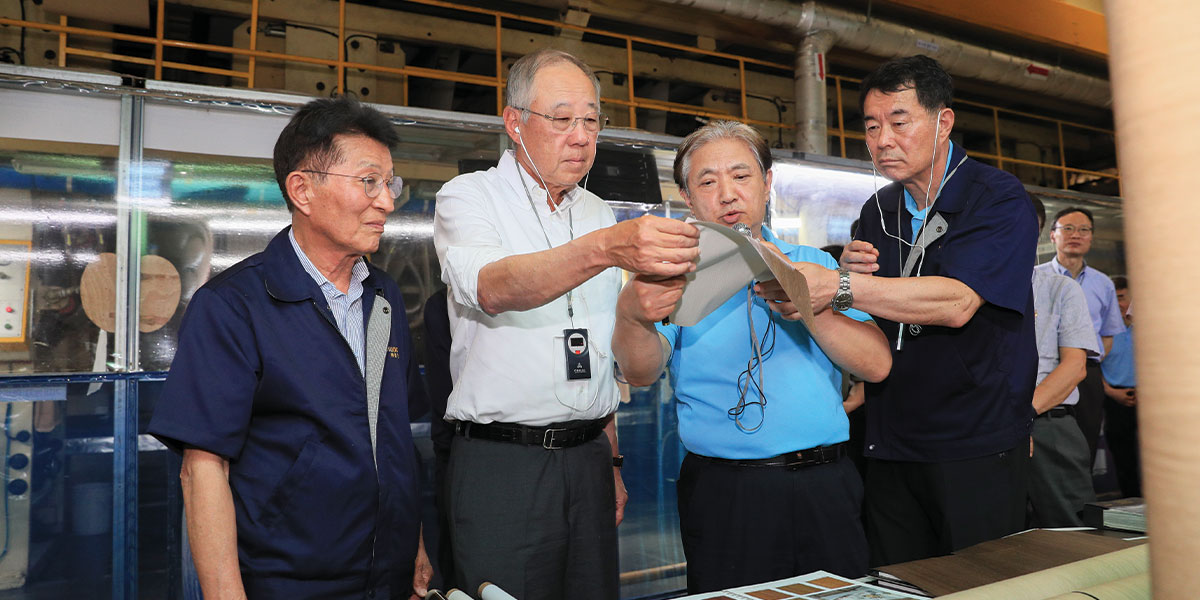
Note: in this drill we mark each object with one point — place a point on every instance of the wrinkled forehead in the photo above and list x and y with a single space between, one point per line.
563 86
1074 218
880 104
360 151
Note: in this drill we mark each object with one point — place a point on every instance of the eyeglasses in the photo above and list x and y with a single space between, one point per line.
371 183
593 122
1071 230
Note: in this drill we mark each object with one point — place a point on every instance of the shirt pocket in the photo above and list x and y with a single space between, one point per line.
281 497
576 394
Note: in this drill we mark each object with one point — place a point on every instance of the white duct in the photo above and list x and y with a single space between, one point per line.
811 116
888 40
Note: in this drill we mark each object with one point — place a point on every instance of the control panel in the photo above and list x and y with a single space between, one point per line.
14 290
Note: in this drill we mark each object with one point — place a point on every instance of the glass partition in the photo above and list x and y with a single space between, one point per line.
815 205
57 232
58 490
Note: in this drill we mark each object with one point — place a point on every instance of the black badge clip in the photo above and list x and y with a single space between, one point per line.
575 346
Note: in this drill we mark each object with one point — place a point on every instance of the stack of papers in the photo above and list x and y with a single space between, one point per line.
819 585
1126 514
729 261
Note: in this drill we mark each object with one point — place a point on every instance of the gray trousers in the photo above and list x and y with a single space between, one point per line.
1060 474
541 524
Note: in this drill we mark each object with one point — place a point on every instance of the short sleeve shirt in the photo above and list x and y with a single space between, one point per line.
956 393
802 385
1118 365
1101 300
264 378
1061 320
511 367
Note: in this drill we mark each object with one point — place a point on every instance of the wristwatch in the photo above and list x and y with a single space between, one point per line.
618 461
843 299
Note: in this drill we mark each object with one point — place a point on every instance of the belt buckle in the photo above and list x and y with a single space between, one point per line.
813 456
548 439
801 461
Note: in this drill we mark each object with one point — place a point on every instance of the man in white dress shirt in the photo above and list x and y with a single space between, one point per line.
531 261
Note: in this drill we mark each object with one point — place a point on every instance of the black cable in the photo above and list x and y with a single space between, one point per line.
346 53
772 99
10 50
311 28
746 380
779 108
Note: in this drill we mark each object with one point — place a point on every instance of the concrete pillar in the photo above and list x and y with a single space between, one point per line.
812 117
1158 120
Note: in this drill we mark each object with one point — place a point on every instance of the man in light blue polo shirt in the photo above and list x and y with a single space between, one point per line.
1072 236
766 490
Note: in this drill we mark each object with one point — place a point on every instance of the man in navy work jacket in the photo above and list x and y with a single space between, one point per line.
289 393
767 490
944 261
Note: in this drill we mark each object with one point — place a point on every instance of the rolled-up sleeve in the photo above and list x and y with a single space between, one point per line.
466 238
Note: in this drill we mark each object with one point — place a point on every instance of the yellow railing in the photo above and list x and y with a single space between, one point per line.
1000 159
631 101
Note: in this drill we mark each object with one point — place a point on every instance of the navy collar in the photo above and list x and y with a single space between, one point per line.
285 277
953 198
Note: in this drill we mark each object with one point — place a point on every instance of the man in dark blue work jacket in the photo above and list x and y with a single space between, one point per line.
289 393
943 261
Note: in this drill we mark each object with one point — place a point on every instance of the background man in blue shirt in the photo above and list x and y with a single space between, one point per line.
766 490
951 244
1120 403
1072 237
289 393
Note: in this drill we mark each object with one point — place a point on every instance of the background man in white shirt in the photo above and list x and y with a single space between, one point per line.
529 257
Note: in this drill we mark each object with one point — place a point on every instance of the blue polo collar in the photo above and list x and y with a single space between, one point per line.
952 199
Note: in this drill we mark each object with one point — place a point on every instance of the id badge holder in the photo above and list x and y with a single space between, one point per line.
575 351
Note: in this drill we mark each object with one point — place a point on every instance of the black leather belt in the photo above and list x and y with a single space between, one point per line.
791 460
551 437
1058 411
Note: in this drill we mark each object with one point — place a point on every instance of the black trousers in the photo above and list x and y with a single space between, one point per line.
541 524
1121 431
745 525
1089 412
918 510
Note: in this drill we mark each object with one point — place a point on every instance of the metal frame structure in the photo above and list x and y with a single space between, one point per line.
631 102
127 377
998 156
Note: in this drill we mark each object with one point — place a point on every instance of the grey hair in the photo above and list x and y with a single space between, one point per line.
714 131
518 93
